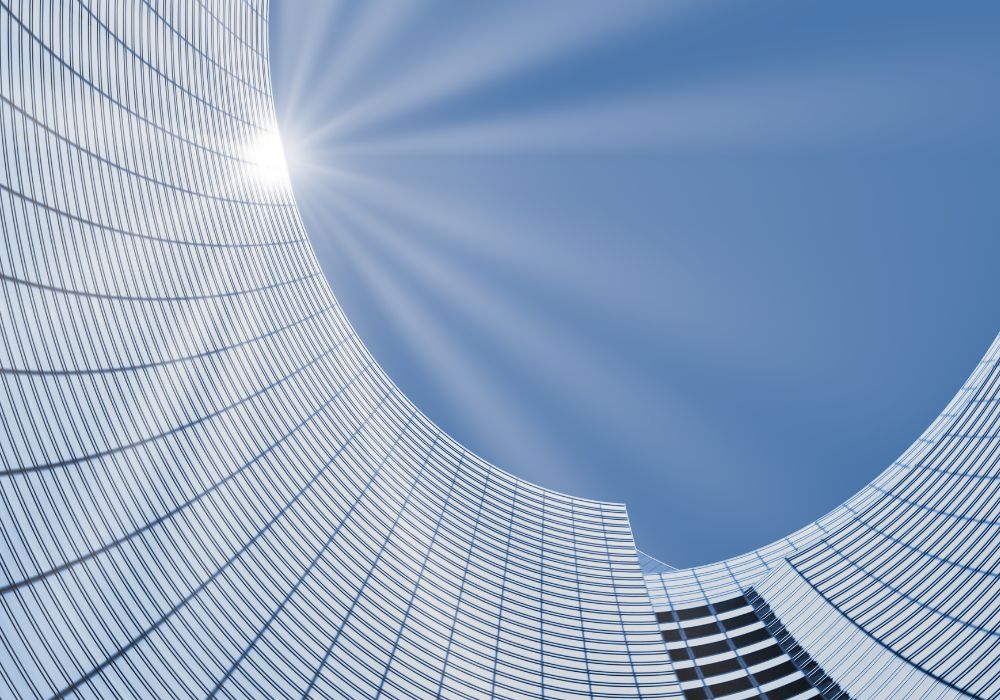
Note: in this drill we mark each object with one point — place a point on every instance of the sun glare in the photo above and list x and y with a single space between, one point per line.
266 159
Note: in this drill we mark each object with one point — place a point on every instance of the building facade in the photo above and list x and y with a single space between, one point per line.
209 488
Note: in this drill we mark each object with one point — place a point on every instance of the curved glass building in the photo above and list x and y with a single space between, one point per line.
210 489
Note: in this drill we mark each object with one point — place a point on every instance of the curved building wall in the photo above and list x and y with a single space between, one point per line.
208 485
893 594
210 488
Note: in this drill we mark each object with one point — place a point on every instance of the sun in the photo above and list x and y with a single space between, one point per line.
265 158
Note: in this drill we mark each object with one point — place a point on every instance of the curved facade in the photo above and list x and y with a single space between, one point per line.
895 593
210 488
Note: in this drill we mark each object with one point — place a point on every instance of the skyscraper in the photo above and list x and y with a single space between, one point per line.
210 488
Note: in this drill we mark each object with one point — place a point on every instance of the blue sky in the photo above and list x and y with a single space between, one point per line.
721 261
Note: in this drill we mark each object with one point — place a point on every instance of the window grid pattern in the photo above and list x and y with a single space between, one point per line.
208 486
813 672
908 569
725 649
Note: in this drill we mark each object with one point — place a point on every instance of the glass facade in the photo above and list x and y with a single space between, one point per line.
209 488
896 592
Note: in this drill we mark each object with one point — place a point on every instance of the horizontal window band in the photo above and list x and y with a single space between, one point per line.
790 690
769 675
769 652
